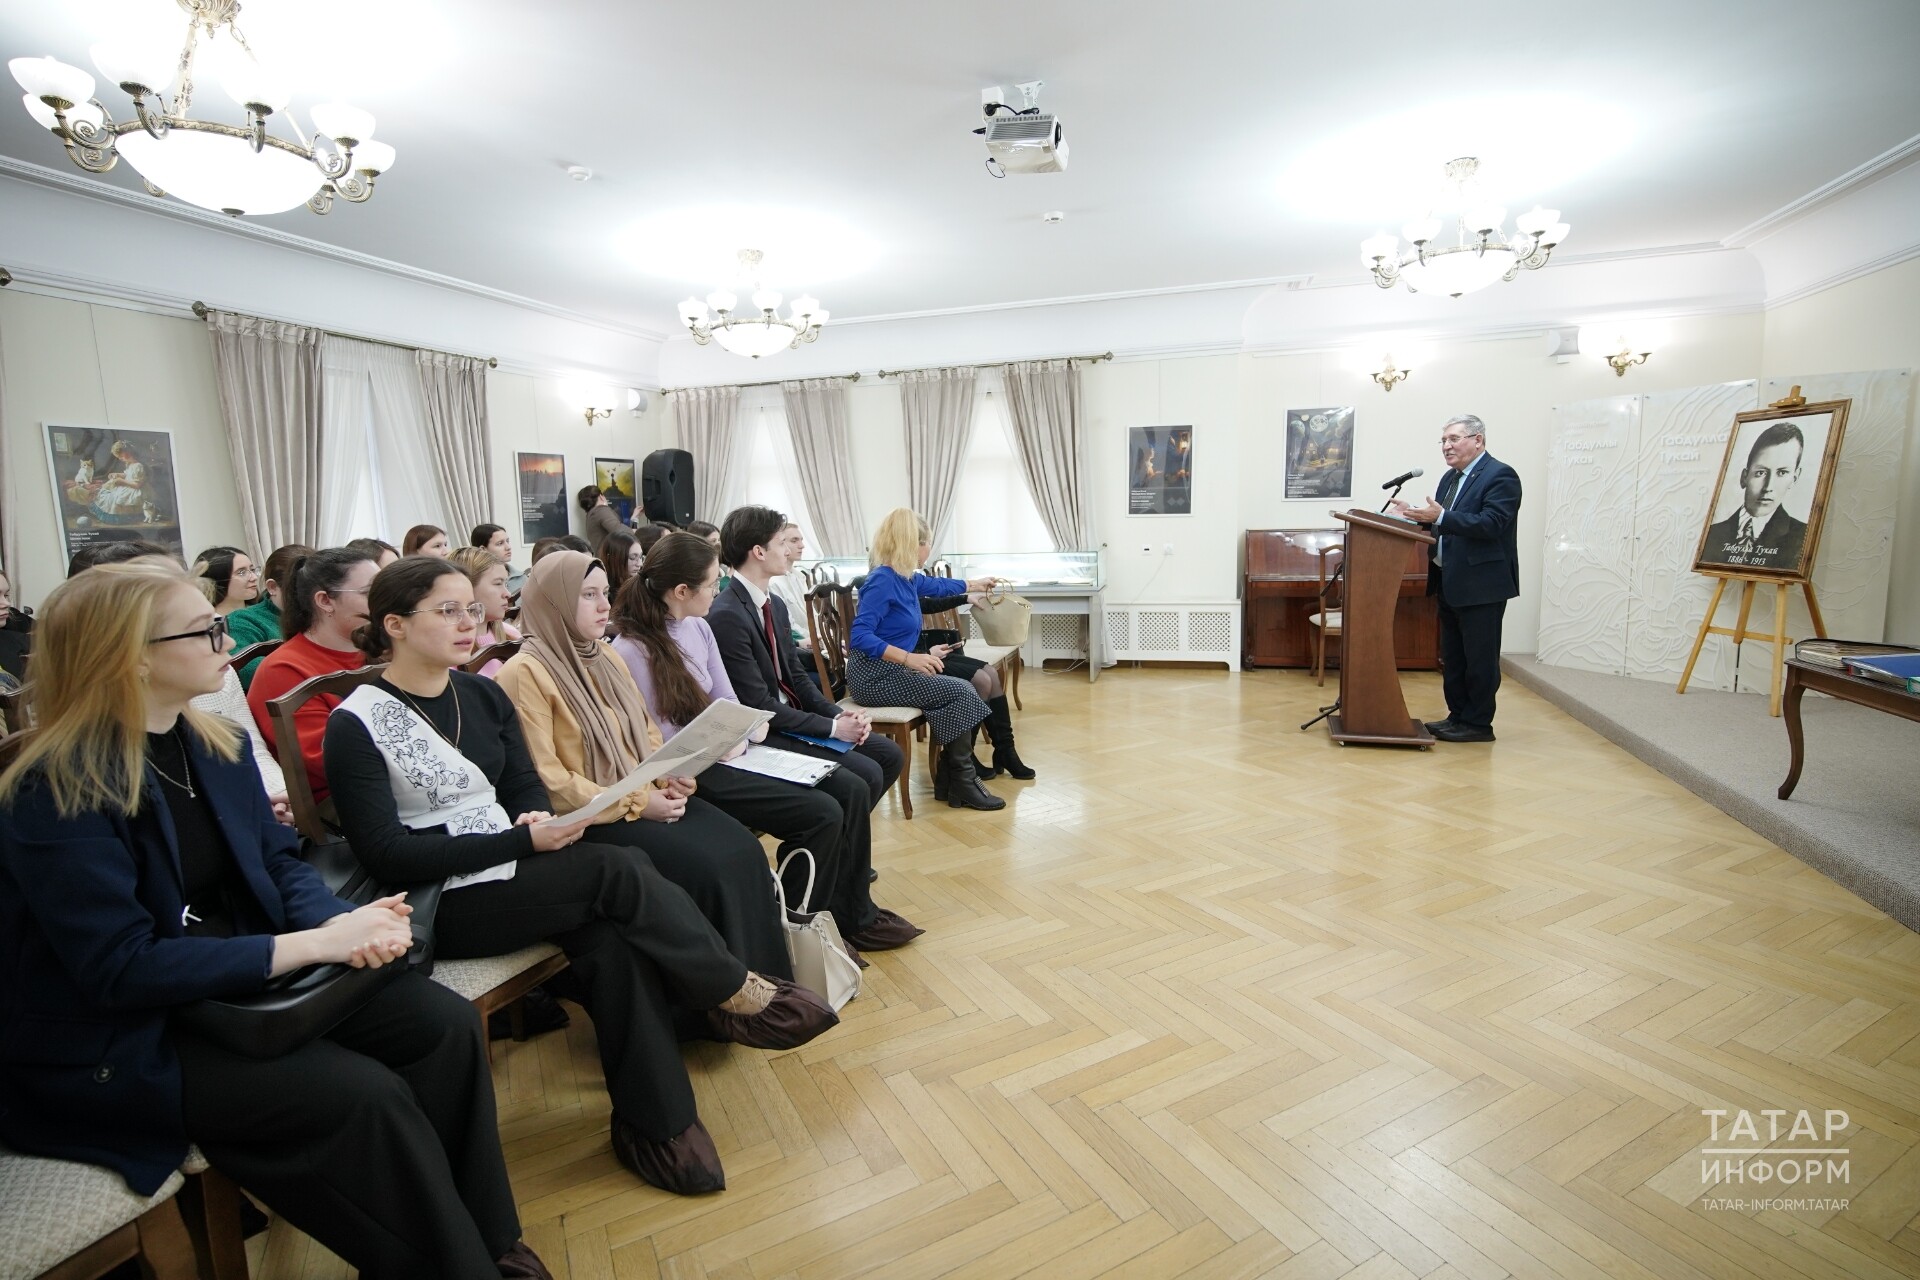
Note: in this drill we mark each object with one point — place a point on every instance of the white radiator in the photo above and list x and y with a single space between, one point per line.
1174 632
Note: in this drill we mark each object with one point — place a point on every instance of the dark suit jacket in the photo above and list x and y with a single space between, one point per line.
93 955
1482 550
1777 546
742 636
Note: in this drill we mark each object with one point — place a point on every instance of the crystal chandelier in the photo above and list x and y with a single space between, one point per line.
758 335
1481 256
233 169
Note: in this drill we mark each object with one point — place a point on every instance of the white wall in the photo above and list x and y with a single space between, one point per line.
533 415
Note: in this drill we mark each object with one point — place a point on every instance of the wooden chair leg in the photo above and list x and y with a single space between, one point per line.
905 785
1013 669
1320 655
212 1203
166 1250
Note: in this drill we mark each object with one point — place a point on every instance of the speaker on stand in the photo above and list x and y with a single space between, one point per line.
666 486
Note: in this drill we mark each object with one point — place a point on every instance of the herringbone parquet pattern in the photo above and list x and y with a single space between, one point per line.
1217 998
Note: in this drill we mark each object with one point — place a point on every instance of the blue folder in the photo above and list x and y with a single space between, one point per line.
831 744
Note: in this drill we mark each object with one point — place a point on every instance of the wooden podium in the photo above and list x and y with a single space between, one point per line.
1372 709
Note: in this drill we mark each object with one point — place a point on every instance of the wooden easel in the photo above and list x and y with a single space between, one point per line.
1740 632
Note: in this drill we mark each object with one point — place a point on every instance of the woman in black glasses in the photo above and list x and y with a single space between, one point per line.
141 870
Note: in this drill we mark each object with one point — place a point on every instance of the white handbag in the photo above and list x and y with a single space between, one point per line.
820 960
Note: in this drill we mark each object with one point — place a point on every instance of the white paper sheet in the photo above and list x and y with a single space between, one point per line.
713 733
788 766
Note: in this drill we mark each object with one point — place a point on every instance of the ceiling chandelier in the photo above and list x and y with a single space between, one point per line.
1481 256
233 169
761 334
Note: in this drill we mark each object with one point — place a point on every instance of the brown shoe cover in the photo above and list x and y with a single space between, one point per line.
794 1016
889 930
686 1164
522 1263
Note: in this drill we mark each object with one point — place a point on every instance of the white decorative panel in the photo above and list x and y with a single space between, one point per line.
1683 439
1590 497
1175 632
1211 631
1157 629
1850 572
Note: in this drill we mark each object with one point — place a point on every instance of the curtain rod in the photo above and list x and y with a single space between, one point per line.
201 309
890 373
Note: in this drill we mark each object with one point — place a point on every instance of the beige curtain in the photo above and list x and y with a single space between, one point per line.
937 408
708 419
453 393
9 548
269 379
823 449
1043 401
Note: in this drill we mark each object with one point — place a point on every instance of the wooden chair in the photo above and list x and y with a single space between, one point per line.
1004 658
62 1220
495 982
829 615
239 658
503 650
1325 621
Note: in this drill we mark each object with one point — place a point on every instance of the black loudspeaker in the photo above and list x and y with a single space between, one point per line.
666 486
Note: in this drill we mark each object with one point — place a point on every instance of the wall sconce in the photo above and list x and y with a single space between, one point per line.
591 413
1388 359
1621 346
1388 374
592 399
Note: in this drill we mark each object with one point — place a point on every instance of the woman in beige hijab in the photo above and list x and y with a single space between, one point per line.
586 726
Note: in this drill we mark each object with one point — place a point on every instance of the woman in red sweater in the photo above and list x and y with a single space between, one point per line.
328 600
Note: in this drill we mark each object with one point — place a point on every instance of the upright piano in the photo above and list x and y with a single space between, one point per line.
1281 588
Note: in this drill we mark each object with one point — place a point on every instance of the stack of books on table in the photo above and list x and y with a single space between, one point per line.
1836 655
1901 670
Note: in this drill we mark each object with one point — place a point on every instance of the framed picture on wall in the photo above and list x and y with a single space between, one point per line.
1320 453
1159 471
1771 498
614 476
543 496
113 484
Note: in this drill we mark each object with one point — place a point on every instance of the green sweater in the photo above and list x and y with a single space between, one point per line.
251 625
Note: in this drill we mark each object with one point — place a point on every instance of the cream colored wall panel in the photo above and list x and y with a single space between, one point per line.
1586 559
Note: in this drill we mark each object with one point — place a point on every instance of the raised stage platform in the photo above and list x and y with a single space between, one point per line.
1855 815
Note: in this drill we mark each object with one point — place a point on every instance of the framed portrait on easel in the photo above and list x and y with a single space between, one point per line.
1775 479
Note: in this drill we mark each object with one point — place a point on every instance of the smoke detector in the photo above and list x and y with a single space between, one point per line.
1052 216
579 172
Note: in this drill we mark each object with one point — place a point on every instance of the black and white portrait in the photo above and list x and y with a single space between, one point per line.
1772 494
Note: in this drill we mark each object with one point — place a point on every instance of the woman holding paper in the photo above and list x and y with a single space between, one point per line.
433 779
587 727
661 617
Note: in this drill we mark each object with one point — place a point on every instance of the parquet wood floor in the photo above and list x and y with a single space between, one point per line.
1216 998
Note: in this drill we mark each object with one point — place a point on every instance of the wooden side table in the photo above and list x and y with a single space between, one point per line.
1802 676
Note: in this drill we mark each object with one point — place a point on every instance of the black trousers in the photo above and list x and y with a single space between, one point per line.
876 762
723 869
1470 648
637 947
830 821
379 1139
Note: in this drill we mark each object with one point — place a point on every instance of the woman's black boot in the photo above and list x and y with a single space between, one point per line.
963 784
1000 732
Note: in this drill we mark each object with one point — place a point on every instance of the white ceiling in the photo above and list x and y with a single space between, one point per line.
1184 122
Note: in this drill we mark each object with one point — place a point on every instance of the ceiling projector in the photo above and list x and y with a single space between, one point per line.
1021 141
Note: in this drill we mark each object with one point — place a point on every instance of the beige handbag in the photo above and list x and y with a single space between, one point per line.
820 960
1003 618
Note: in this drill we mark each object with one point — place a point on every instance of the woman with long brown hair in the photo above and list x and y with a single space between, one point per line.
426 540
144 872
667 645
489 575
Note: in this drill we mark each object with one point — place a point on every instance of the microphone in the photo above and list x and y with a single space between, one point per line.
1397 481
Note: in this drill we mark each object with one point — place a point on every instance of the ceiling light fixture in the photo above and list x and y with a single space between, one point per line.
758 335
1482 254
233 169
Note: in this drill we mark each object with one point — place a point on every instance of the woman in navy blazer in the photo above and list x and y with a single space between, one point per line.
141 869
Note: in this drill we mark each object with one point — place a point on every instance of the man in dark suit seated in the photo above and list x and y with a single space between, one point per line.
1474 567
755 634
1761 534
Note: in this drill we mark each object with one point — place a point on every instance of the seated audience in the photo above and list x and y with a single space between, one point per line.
602 519
327 603
488 574
426 540
884 670
433 781
586 728
664 639
649 535
229 702
379 1138
227 578
381 553
708 533
755 636
574 542
16 637
113 553
620 555
496 539
542 548
260 621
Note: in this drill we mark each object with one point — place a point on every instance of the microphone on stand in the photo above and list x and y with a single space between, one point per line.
1397 481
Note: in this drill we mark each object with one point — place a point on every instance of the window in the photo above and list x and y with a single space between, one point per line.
772 476
994 509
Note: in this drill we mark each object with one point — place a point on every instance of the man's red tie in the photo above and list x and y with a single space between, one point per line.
773 647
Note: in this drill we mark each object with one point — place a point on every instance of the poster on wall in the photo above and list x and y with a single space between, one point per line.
1772 495
1320 453
543 496
1160 471
614 476
114 485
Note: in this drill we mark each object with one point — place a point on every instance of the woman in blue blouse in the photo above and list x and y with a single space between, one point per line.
884 671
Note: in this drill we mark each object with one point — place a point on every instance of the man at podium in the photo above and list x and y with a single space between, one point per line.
1474 567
